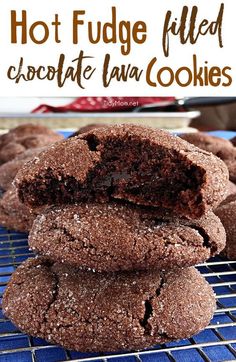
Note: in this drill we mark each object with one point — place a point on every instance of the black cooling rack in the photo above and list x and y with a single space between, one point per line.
216 343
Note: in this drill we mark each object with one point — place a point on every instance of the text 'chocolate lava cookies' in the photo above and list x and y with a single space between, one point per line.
107 312
116 236
138 164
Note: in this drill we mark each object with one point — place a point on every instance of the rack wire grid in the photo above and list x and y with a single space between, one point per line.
216 343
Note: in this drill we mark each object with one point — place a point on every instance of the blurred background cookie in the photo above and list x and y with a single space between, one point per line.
9 169
92 312
24 137
220 147
206 142
231 189
233 141
121 236
133 163
87 128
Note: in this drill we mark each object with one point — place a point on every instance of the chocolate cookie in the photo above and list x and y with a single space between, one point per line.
227 214
233 141
25 137
9 169
231 189
232 169
87 128
139 164
113 237
228 199
107 312
13 214
220 147
206 142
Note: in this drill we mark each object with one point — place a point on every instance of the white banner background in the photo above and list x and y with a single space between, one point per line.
151 11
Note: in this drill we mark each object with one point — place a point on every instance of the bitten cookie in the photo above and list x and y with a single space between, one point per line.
107 312
227 214
139 164
25 137
220 147
13 214
9 169
113 237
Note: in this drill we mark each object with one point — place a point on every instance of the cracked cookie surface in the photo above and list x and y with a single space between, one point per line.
107 312
9 169
138 164
122 236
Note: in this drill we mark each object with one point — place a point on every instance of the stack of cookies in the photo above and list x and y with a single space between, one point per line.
222 148
127 214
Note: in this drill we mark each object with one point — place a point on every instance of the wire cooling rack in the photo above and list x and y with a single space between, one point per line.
216 343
